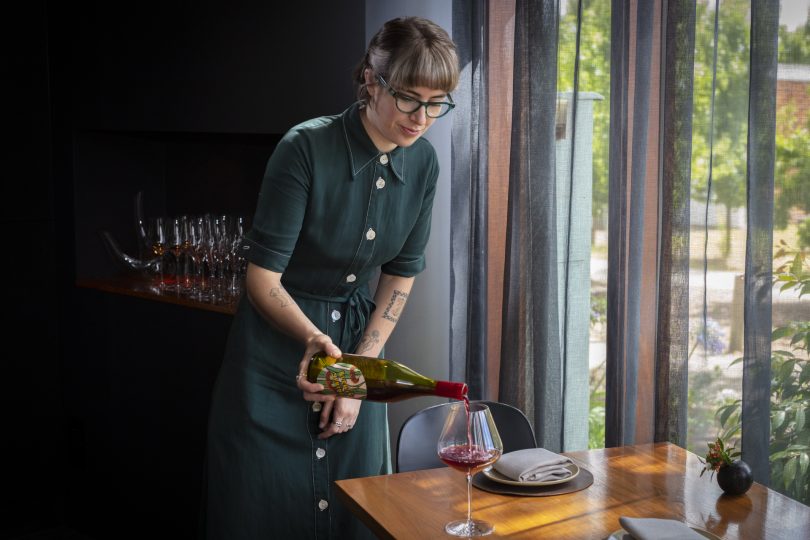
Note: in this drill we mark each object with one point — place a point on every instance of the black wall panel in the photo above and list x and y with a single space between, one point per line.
249 66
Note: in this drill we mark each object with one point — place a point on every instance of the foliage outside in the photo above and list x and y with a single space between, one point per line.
719 138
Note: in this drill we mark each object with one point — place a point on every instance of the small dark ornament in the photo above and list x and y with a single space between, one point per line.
736 478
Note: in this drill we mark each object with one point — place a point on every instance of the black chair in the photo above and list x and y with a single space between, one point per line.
419 436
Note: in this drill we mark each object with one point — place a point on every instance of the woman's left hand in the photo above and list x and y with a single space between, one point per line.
339 416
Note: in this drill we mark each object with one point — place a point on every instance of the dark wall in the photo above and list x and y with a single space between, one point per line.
104 407
32 438
250 67
136 408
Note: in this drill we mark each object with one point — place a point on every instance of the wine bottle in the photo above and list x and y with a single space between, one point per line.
376 379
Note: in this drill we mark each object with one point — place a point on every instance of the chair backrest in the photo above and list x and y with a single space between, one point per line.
419 435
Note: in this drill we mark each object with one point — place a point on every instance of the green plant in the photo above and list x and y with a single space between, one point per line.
719 455
790 388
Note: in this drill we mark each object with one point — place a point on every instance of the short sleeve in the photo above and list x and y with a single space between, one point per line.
281 206
411 258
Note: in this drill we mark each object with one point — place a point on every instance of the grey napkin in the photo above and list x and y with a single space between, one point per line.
533 465
658 529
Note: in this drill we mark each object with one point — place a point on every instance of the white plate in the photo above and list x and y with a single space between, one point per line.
621 534
492 474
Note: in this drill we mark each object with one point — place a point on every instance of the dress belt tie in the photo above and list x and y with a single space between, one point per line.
359 306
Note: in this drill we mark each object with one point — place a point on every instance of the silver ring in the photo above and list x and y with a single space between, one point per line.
338 423
300 376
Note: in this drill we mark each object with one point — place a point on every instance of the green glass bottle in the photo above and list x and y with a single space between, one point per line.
376 379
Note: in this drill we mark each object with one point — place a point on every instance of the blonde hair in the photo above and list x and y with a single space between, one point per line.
409 52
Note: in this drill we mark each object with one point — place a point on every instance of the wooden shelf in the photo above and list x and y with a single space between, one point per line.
149 290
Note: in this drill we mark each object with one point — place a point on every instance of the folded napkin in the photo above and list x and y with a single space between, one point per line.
658 529
533 465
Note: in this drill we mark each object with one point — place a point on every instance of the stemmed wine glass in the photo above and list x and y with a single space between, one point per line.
469 443
176 239
157 238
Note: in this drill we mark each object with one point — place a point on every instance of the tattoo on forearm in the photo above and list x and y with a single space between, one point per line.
394 308
283 298
369 340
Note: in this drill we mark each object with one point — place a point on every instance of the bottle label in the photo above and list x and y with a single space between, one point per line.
344 380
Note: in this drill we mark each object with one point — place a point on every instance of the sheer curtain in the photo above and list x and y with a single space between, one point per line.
671 370
468 276
511 230
759 239
627 419
526 264
631 46
531 361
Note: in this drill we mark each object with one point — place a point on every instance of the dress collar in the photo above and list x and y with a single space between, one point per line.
362 151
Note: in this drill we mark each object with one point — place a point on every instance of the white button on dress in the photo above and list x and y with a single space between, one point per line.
335 315
380 183
384 159
351 278
317 406
370 234
320 452
323 505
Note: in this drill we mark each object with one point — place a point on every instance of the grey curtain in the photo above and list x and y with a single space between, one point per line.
671 372
534 368
533 356
628 155
468 235
531 363
759 241
672 339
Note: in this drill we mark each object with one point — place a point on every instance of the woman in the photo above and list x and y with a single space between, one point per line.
343 196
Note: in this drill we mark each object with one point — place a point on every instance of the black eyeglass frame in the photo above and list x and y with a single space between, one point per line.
398 95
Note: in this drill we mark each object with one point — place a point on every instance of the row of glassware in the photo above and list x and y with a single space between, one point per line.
196 256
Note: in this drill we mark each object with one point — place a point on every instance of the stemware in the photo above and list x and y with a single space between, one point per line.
176 239
157 238
469 443
237 261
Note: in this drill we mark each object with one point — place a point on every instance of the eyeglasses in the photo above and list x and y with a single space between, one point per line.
409 105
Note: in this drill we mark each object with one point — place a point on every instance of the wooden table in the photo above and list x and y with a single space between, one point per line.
649 480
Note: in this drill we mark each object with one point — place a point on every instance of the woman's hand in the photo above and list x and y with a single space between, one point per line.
339 416
315 343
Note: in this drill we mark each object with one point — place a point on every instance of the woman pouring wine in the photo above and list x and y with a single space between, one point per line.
342 196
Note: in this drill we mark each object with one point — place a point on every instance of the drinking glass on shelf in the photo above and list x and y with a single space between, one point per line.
156 237
196 257
187 254
236 262
213 261
176 239
469 443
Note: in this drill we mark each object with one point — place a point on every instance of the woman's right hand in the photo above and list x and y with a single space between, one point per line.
316 343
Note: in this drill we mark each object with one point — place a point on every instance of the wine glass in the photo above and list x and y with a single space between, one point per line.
176 239
157 238
469 443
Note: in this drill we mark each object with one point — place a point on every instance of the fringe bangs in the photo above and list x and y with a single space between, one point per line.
426 67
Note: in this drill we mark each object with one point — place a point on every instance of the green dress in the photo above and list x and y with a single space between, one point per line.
332 210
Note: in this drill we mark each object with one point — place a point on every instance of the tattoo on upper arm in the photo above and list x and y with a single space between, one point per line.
394 308
370 340
283 298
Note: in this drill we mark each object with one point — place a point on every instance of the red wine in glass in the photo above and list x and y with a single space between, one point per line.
469 459
469 443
